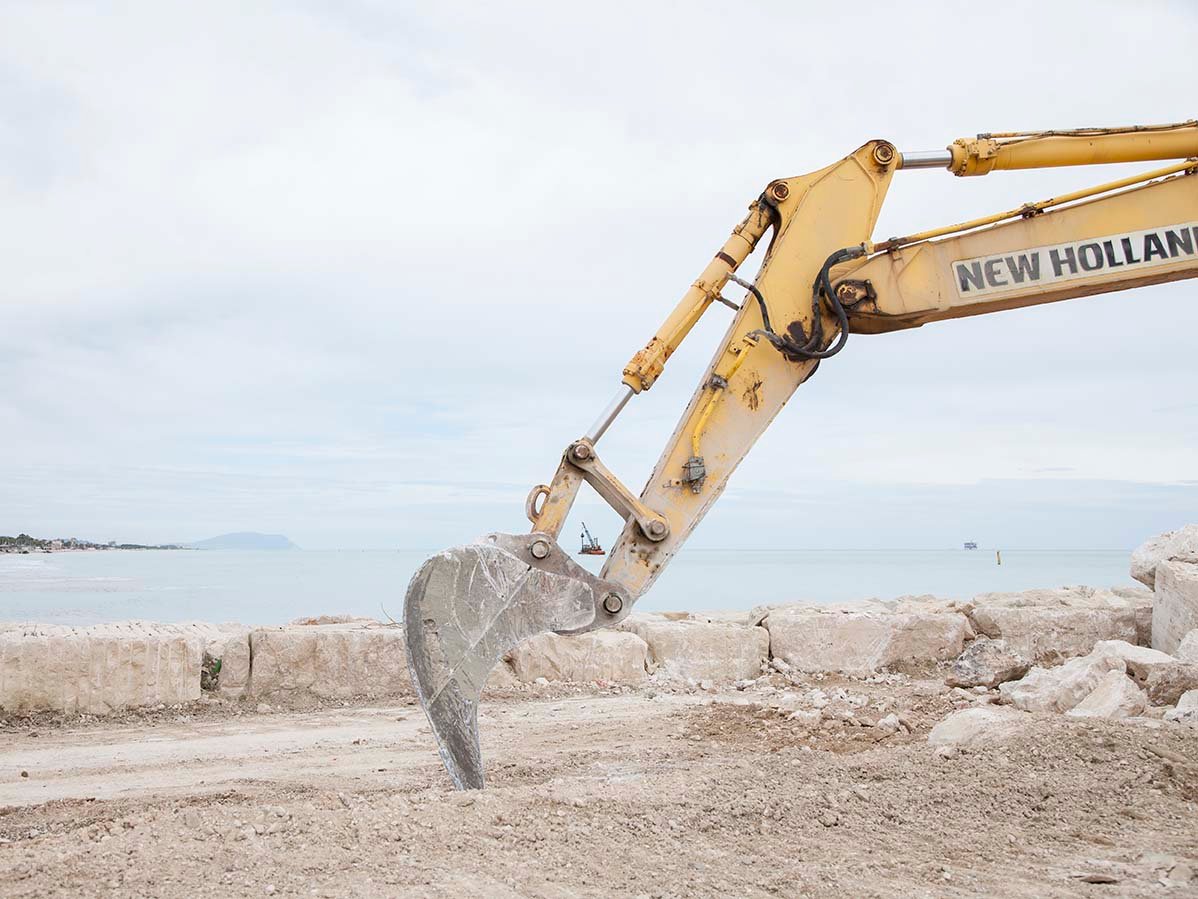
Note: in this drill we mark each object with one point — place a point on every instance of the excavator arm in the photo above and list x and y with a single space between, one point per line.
821 280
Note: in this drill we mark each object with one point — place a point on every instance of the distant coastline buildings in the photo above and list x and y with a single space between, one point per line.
23 543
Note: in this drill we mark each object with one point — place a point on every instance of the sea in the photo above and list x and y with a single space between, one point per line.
266 588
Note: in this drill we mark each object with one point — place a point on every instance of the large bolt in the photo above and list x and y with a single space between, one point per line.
883 154
582 452
780 191
612 603
657 528
539 549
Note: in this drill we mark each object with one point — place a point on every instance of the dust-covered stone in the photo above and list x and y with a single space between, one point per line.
1187 649
1179 544
975 727
99 669
986 663
1048 626
1186 710
860 642
603 655
1060 689
701 650
333 660
1116 696
1175 604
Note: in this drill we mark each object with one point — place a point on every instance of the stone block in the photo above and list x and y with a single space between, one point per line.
1116 696
97 670
1048 626
604 655
330 661
1174 604
1180 544
227 643
1187 649
1060 689
859 642
986 663
1165 684
978 727
1186 711
701 650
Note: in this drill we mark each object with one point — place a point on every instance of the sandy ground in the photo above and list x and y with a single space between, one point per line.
600 793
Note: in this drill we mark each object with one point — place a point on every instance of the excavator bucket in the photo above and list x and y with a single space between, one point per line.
469 606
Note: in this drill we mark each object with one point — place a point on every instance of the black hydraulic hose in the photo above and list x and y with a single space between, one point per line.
820 290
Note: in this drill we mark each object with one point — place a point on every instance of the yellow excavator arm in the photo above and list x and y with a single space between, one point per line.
822 280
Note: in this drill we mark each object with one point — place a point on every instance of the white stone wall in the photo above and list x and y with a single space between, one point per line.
332 660
96 670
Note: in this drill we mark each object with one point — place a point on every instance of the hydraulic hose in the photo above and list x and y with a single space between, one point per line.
821 291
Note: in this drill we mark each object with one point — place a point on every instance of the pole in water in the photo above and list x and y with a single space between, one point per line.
998 556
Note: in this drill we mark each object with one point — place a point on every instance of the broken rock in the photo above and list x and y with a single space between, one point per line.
701 650
860 642
1162 676
1186 711
1048 626
986 663
1165 684
1116 696
1179 544
1060 689
1187 649
606 655
1175 604
975 727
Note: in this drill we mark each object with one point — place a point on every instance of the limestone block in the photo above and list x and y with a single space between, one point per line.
1187 649
1165 684
977 727
1175 604
858 642
1179 544
1060 689
1139 659
99 669
701 650
1141 601
603 655
1047 626
228 643
1186 711
1116 696
1162 676
986 663
331 661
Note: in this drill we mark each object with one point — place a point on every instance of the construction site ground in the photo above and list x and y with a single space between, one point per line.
594 792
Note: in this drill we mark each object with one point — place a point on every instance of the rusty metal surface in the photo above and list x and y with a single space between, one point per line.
468 606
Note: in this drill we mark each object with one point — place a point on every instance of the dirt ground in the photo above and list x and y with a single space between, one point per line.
599 792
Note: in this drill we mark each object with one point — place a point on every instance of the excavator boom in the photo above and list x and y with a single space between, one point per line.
822 279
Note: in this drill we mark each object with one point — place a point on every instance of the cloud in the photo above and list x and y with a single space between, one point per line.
343 270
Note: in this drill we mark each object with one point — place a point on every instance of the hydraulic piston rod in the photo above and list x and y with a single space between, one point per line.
925 159
614 408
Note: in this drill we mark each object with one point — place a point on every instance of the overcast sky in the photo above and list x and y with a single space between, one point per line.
356 272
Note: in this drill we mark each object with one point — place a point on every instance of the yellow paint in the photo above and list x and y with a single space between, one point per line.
741 354
984 154
813 215
1027 210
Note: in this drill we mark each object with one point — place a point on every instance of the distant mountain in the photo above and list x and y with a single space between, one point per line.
245 540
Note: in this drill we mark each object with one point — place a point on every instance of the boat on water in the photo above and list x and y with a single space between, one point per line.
969 544
590 546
